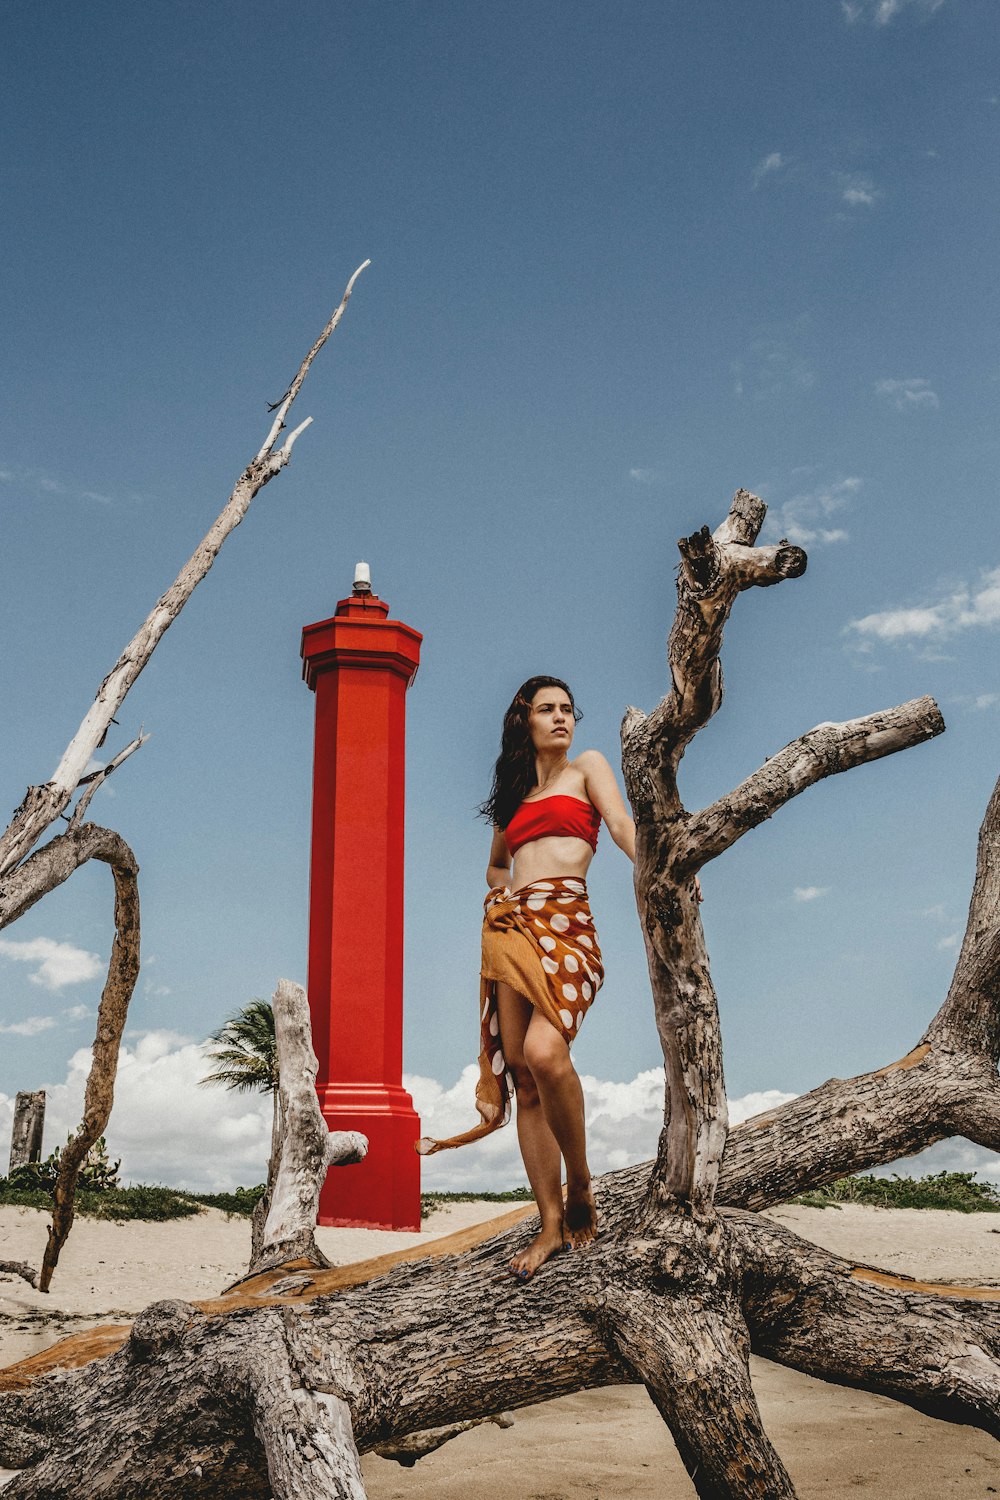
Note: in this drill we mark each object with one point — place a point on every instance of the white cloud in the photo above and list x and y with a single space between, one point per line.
79 1013
773 367
908 395
881 12
801 519
163 1125
986 700
810 892
643 476
166 1128
623 1126
954 1155
33 1026
767 166
858 190
59 964
962 608
46 484
946 944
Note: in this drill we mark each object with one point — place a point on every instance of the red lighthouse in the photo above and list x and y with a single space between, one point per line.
360 664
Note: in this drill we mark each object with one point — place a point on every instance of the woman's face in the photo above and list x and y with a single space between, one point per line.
550 719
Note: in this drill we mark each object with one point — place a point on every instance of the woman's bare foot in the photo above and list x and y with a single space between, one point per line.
580 1217
545 1244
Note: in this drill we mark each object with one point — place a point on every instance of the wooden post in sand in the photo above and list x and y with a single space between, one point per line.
26 1136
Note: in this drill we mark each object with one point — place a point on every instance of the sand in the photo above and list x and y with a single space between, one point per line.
595 1446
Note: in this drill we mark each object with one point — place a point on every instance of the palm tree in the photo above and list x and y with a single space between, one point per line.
246 1058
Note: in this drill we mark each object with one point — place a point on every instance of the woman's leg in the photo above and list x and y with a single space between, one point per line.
539 1148
548 1060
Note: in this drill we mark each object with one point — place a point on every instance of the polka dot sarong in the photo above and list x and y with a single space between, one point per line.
541 941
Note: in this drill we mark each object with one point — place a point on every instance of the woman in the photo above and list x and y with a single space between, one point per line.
541 961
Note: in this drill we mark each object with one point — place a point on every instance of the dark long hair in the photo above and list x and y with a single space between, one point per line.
514 773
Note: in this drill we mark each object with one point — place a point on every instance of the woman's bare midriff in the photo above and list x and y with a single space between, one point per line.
543 858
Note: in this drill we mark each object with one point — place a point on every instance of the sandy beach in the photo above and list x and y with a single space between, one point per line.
593 1446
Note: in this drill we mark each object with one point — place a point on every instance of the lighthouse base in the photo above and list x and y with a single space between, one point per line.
383 1191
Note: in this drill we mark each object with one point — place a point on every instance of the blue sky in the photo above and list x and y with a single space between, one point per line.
624 260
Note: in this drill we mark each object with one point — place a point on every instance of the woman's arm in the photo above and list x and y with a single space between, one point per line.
498 870
602 789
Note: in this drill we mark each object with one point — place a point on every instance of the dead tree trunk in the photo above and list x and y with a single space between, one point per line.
273 1390
306 1148
26 1134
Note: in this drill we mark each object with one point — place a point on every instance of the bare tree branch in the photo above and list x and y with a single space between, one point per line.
98 778
123 971
697 1375
49 866
43 804
821 752
293 390
970 1016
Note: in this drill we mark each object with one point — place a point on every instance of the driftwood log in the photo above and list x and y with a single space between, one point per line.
26 877
276 1389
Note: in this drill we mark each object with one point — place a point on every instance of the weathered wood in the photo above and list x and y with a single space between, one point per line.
26 1133
698 1377
123 971
43 804
442 1341
824 751
20 1268
306 1150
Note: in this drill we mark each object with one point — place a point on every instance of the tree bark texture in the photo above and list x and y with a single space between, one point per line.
123 971
28 1126
306 1150
271 1389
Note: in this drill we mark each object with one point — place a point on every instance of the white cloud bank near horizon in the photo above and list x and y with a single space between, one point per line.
167 1129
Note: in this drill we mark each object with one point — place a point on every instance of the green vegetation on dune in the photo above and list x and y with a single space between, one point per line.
954 1190
138 1202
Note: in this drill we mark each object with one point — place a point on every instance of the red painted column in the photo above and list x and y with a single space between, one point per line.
360 664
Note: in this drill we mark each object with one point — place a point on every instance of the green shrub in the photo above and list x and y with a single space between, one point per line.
97 1172
955 1190
138 1202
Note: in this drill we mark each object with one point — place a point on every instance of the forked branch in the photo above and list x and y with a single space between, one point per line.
43 804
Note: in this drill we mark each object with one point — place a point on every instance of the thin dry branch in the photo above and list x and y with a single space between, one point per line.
97 779
284 405
20 1268
43 804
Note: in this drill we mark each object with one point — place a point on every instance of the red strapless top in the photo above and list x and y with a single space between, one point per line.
556 816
